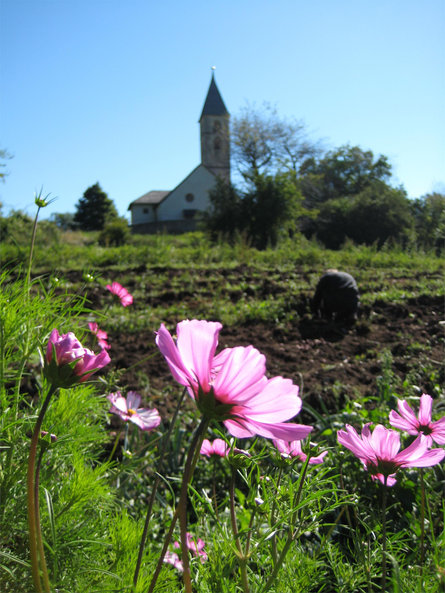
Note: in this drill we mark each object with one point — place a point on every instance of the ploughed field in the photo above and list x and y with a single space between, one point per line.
399 333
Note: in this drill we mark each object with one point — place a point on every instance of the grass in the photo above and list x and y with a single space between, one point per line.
93 502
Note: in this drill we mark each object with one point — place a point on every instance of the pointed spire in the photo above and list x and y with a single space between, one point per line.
213 105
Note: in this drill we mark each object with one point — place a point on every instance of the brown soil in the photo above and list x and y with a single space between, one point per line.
328 361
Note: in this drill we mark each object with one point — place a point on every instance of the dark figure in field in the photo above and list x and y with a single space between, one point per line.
336 297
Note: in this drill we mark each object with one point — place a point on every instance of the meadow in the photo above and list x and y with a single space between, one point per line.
90 502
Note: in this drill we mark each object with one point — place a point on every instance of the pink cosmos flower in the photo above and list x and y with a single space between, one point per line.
100 334
421 424
196 547
231 386
129 410
218 447
173 559
294 449
67 362
379 451
117 289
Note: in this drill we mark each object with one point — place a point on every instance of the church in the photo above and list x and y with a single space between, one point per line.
178 210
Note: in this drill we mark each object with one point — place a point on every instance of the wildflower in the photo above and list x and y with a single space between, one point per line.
128 409
196 547
379 451
121 292
172 558
231 386
100 334
218 447
293 449
67 362
421 424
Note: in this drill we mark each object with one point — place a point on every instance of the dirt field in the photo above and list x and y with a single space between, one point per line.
329 362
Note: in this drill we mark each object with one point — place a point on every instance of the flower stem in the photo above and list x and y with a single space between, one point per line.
189 468
34 539
242 557
41 551
422 526
182 505
292 532
385 489
165 442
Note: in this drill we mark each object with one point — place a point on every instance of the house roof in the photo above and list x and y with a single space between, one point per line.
152 197
213 105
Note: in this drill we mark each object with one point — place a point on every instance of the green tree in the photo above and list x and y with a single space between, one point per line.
345 171
375 215
263 143
429 217
226 215
94 209
4 155
63 220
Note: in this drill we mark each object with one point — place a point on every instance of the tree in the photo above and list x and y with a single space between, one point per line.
94 209
4 155
375 215
429 217
63 220
264 213
343 172
264 144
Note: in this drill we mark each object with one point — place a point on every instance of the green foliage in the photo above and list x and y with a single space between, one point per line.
375 215
345 171
115 233
94 209
429 216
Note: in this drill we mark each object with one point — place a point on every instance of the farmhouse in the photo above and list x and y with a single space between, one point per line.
178 210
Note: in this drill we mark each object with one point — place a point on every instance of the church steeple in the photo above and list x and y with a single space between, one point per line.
215 141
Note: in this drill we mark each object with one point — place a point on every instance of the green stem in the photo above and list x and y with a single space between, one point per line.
189 468
188 472
292 532
40 550
385 490
272 518
422 526
154 490
242 557
32 515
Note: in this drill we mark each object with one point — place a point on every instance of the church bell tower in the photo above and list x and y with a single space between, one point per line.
215 140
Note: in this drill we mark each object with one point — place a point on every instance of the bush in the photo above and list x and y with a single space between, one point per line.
115 233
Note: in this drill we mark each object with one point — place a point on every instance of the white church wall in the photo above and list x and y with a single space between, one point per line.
142 213
192 194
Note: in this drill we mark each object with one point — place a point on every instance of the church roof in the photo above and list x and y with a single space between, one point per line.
213 105
152 197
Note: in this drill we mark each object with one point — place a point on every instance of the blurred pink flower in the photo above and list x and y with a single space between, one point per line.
293 449
218 447
67 362
421 424
100 334
172 558
128 409
379 451
196 547
231 386
117 289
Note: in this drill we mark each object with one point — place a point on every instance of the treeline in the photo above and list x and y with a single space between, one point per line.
289 185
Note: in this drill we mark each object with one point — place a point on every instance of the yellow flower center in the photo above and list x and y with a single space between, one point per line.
131 412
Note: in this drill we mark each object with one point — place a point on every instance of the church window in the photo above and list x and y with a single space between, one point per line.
217 143
189 197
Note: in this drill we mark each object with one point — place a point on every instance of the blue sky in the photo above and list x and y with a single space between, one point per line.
111 92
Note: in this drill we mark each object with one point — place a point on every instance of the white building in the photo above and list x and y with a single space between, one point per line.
178 210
